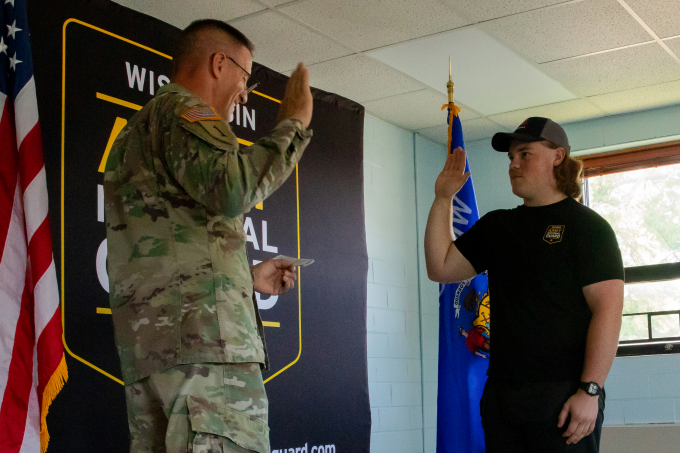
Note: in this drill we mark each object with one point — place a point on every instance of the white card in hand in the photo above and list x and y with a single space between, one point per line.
295 261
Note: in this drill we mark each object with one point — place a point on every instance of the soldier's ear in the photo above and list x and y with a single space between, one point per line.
217 62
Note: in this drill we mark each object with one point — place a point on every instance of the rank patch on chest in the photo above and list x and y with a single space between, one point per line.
554 234
201 114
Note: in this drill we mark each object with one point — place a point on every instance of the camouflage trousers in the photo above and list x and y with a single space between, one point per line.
199 408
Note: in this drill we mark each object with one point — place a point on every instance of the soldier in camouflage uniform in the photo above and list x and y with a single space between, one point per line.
187 329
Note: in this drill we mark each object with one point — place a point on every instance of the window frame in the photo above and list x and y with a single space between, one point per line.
620 161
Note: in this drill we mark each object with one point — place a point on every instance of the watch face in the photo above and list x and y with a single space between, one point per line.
592 388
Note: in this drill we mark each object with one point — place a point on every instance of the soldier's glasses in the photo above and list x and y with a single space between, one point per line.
251 87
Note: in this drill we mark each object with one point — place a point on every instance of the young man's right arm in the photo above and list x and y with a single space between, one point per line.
445 263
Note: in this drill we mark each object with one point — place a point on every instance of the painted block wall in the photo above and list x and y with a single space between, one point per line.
430 158
640 390
394 358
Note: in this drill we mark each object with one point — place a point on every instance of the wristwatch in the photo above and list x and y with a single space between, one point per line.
591 388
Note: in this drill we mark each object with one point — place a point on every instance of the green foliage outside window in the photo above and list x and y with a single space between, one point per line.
643 208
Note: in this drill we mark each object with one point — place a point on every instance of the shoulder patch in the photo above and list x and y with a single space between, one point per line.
201 114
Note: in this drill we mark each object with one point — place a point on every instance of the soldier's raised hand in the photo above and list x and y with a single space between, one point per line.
453 176
297 100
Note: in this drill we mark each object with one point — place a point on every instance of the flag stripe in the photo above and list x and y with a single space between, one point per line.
30 156
8 173
50 353
46 301
14 408
35 211
26 110
31 442
12 278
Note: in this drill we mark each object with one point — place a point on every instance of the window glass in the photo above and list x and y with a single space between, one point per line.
634 328
643 207
666 326
655 296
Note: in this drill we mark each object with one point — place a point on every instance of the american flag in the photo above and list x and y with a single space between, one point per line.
32 364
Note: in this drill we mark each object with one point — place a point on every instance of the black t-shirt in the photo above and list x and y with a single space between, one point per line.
539 259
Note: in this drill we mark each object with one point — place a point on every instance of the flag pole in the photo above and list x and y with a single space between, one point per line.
449 84
453 110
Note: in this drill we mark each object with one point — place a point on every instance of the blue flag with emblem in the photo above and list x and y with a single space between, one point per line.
464 331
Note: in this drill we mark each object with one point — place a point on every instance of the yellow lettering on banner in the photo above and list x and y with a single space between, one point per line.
260 205
117 127
244 142
271 324
103 311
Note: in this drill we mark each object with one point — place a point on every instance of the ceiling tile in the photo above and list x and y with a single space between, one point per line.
480 128
623 69
280 43
561 112
474 129
438 134
415 110
281 2
674 45
493 9
368 24
181 13
639 98
662 16
489 77
572 29
360 78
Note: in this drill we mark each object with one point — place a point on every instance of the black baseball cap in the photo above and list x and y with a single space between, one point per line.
534 129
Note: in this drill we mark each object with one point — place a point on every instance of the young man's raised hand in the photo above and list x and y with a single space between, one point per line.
453 176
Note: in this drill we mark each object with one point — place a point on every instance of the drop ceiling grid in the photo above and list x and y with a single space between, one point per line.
181 13
361 79
281 43
480 11
414 110
621 70
367 24
662 16
300 34
568 30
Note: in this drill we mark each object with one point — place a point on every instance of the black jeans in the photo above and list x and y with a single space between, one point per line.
521 417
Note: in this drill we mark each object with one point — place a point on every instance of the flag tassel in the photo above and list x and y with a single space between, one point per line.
454 110
53 387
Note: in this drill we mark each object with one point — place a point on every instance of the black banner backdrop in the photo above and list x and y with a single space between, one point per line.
97 63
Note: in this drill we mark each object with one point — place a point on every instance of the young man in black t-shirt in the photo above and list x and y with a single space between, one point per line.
556 281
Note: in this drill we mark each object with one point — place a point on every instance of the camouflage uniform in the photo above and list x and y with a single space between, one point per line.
176 186
199 409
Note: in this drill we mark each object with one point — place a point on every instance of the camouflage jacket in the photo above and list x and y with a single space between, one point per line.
176 186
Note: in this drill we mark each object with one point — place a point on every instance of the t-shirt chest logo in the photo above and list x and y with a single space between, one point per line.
554 234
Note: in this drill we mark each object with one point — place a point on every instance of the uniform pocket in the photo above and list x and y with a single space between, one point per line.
245 430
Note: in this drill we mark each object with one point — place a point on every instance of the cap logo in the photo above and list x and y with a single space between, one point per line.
523 125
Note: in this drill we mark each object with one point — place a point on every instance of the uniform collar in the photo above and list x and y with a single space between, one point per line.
174 88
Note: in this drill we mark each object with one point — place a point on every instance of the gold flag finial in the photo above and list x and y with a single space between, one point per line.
449 84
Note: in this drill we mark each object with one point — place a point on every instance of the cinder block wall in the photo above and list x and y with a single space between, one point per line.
394 358
643 390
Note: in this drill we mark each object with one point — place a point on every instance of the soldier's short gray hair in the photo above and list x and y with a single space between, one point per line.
188 37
